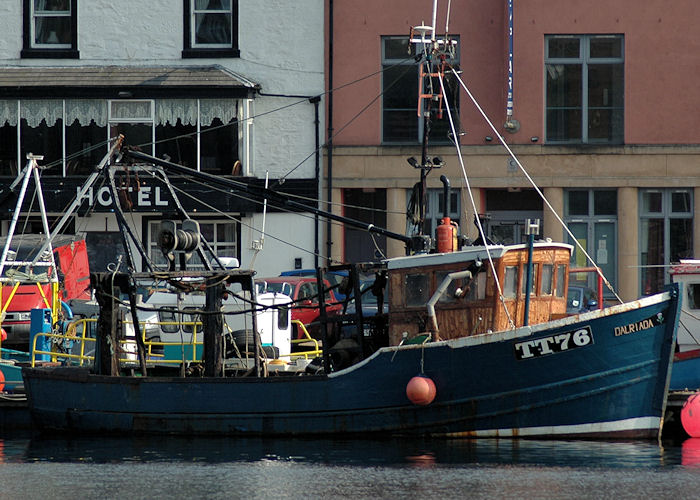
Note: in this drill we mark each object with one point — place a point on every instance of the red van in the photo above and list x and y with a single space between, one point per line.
70 256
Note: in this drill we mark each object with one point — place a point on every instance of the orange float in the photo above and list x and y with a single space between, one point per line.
690 415
420 390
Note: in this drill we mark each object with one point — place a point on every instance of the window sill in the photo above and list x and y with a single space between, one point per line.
211 53
50 54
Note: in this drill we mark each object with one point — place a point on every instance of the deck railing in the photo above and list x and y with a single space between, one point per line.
76 345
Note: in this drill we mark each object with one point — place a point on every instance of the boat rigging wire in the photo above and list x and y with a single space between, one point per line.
532 182
239 221
357 115
473 203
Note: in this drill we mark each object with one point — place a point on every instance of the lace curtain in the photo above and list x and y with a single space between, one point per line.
86 110
8 112
167 111
131 110
34 111
224 109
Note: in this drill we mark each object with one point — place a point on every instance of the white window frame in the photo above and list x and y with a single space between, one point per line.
145 120
193 25
35 14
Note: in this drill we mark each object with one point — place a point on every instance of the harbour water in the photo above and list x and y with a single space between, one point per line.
156 467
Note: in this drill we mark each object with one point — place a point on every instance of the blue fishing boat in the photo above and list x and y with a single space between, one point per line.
601 374
474 339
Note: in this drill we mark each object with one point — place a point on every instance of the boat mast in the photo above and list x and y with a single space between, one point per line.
423 41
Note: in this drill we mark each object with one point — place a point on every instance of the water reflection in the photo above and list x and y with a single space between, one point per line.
690 453
415 453
167 467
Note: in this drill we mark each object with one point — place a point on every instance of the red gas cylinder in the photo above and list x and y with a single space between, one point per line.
446 236
690 415
420 390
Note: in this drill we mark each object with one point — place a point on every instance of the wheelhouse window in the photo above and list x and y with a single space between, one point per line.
547 274
584 77
417 289
50 29
561 280
211 28
533 280
665 234
510 284
400 120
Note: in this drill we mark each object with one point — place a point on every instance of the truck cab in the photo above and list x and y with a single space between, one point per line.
24 287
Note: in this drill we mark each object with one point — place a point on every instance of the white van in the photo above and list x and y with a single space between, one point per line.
170 322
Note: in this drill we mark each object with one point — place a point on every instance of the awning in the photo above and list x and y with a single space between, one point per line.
131 82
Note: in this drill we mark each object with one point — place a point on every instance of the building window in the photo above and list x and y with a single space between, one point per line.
72 134
665 235
591 215
400 120
223 236
585 89
50 29
366 205
434 210
211 28
507 212
134 120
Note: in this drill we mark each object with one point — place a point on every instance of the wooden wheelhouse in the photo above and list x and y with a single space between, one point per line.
472 305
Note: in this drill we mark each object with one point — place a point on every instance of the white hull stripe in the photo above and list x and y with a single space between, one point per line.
598 428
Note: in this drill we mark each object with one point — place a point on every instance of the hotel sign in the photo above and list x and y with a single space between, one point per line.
143 197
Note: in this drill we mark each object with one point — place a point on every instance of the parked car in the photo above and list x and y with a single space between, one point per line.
581 299
303 291
334 277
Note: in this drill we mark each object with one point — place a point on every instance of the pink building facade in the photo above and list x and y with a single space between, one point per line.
605 105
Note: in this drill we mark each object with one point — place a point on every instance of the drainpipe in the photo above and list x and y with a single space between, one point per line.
329 243
316 100
511 125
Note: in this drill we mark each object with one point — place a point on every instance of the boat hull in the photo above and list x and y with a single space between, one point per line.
598 375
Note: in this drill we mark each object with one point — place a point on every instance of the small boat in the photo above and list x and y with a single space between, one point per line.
475 339
686 363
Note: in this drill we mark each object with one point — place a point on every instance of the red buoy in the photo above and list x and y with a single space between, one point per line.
420 390
690 415
2 380
3 334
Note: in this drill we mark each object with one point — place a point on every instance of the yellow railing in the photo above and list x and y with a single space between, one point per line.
153 356
307 338
78 331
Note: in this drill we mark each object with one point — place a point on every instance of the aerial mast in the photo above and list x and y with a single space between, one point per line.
423 41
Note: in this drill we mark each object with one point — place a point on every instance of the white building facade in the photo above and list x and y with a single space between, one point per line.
226 87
